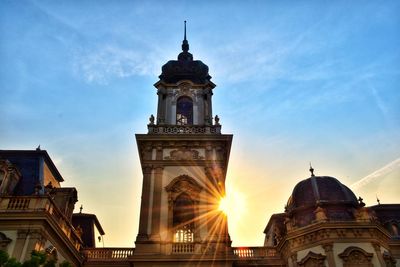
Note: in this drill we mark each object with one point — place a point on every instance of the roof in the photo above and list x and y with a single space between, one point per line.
34 153
185 68
320 190
92 217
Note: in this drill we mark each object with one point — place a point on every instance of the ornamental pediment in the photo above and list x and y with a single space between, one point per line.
183 183
184 154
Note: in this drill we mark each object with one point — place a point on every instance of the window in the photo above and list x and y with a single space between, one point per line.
183 219
356 257
184 111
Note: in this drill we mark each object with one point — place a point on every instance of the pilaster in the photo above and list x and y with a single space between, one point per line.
328 248
378 253
144 207
156 209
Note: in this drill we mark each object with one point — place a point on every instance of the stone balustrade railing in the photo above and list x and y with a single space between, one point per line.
115 254
254 252
95 254
41 203
182 248
183 129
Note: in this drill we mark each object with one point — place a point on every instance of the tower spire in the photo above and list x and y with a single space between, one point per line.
185 43
184 38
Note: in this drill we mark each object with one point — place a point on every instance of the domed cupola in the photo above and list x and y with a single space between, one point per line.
185 68
322 194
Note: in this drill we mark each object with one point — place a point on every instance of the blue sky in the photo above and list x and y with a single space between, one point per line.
297 82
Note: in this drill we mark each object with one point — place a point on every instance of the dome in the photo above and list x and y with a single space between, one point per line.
326 192
320 190
185 68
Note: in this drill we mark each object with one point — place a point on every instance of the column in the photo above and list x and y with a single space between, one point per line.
18 251
144 207
156 209
378 252
328 247
293 257
161 106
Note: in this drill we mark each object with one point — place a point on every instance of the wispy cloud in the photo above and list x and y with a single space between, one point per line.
377 174
109 62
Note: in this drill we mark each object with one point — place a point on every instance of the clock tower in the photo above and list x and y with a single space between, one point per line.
184 159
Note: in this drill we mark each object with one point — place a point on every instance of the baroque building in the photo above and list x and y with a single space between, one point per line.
184 159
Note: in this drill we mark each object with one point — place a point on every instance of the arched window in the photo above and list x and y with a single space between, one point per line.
184 111
312 259
356 257
183 219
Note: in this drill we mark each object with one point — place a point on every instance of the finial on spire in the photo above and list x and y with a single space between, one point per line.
184 38
185 43
311 170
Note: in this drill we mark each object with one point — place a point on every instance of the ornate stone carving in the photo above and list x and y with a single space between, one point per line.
327 247
355 256
4 241
183 184
389 260
9 177
216 120
184 154
312 260
151 119
320 214
184 87
362 214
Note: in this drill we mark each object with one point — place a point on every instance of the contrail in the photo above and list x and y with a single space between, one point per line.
376 174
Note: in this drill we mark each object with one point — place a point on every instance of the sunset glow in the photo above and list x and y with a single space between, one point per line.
233 206
223 205
297 82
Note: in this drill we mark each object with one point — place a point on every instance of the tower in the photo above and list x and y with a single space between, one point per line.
184 159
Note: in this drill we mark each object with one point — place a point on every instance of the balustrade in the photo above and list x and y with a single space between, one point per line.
182 248
254 252
18 203
40 203
184 129
95 254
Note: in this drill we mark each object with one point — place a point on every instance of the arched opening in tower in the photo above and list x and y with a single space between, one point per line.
184 111
183 219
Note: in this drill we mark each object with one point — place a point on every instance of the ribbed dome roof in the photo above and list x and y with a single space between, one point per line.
185 68
320 190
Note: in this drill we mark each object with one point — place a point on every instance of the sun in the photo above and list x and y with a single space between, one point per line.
223 205
233 204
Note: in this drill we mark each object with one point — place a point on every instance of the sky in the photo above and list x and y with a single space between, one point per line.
297 82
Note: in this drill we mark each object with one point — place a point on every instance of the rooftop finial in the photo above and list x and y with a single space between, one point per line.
185 31
185 44
311 170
